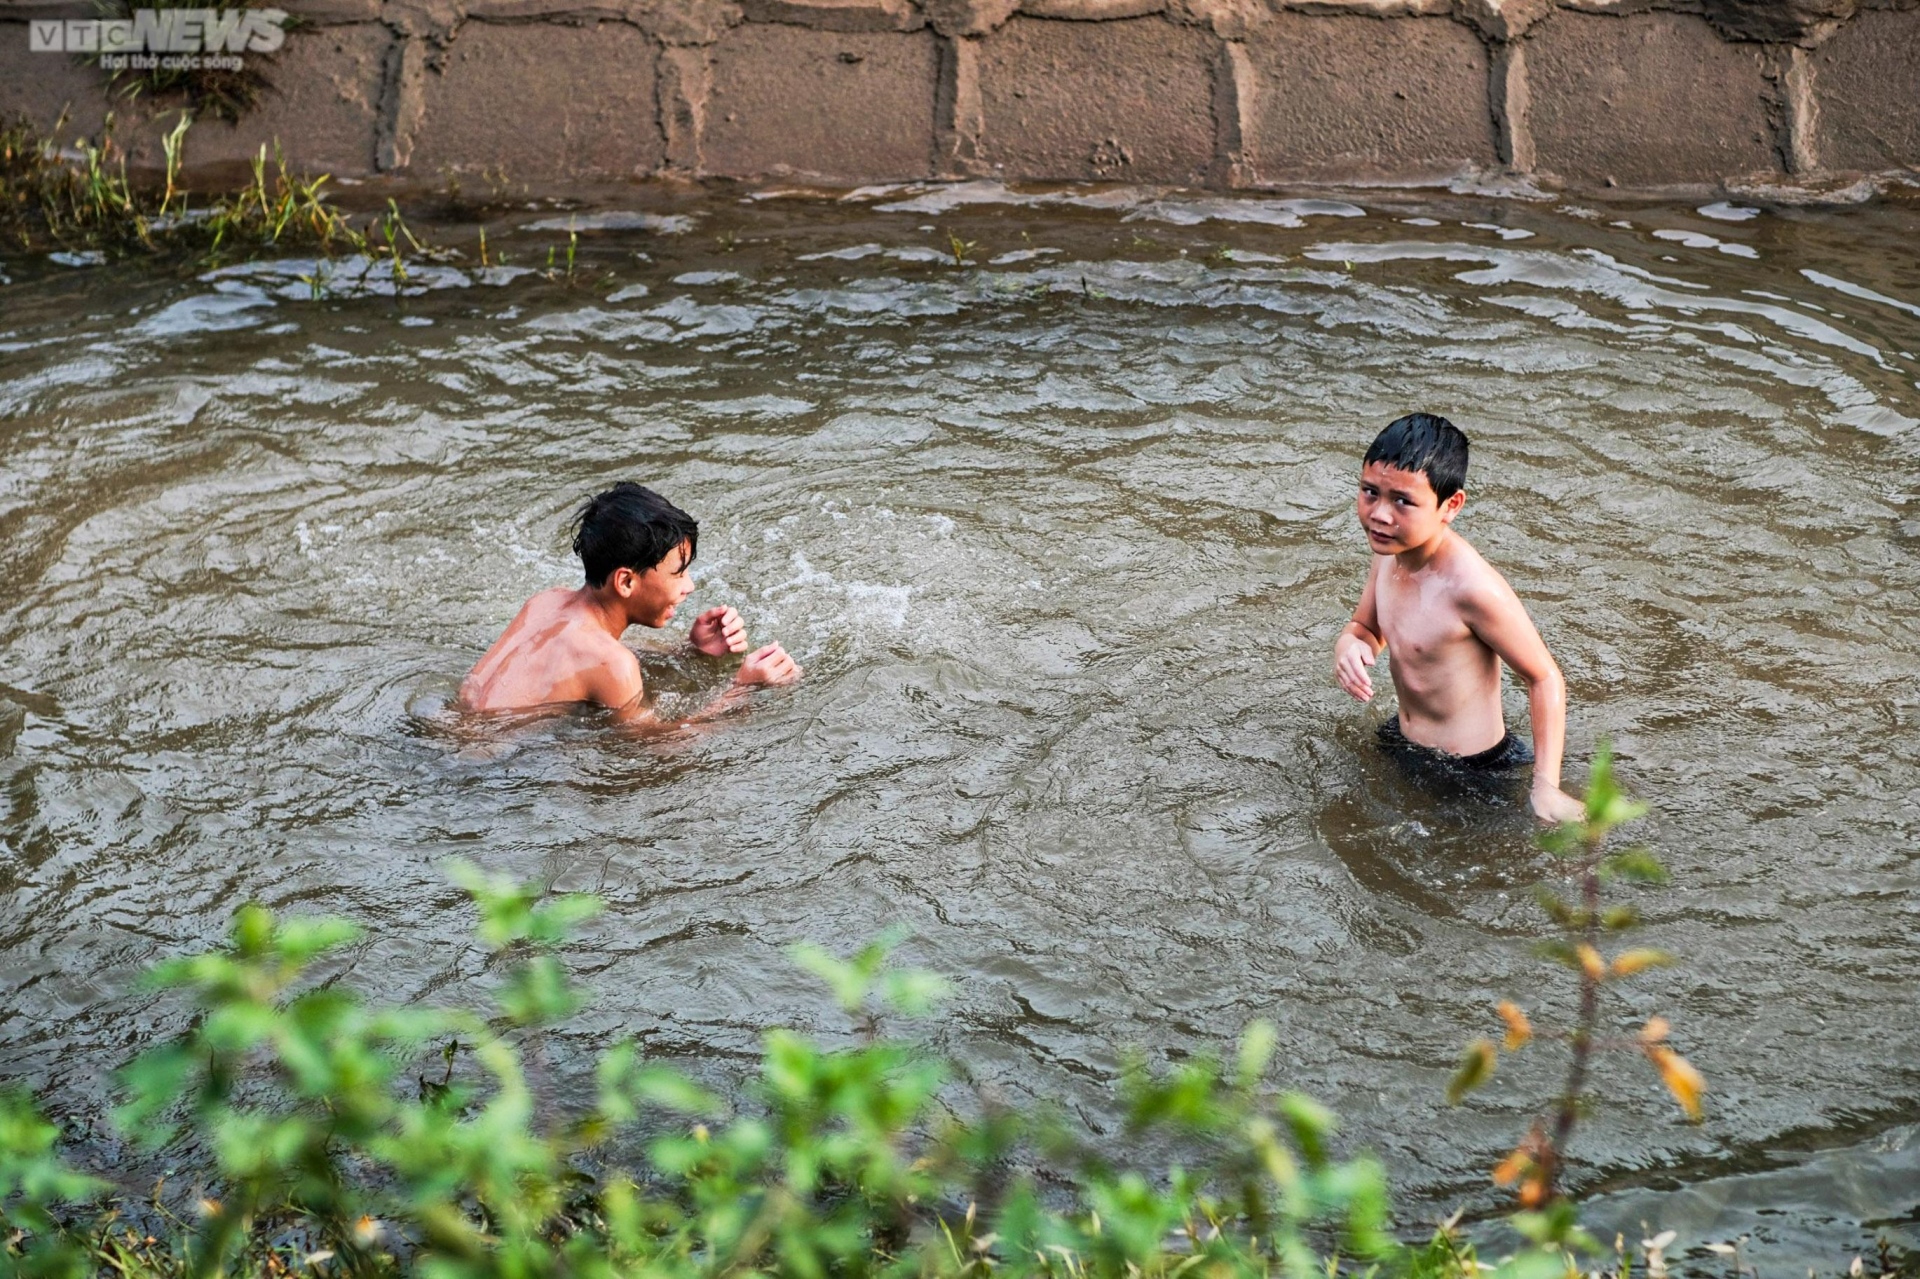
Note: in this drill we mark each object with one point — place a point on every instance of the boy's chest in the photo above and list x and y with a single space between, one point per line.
1418 618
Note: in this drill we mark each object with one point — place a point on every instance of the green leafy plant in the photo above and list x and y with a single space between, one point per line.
330 1150
961 250
1536 1167
78 196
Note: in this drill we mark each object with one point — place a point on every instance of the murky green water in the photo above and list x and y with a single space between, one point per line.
1063 538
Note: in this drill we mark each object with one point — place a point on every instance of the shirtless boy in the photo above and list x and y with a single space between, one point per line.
1450 619
564 645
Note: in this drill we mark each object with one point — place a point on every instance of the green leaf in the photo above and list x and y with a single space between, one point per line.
1554 1230
537 993
913 992
1562 840
846 981
299 940
1558 910
504 906
555 919
1475 1069
252 931
1619 918
1637 864
1311 1125
1606 806
1257 1043
31 1174
1534 1263
671 1090
1563 953
155 1082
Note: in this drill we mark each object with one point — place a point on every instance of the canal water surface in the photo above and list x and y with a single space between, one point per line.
1051 493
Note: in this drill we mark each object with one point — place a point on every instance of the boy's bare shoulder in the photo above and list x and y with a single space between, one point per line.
545 603
1476 584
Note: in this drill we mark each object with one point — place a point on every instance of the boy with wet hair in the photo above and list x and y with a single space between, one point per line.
1450 620
564 645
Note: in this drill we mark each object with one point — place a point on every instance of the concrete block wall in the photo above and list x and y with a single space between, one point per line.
1630 94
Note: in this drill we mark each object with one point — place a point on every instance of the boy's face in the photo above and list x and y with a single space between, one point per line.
1398 508
652 595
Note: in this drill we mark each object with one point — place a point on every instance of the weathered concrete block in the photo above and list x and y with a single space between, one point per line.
321 105
321 110
838 15
1504 19
42 85
1353 97
840 106
1867 83
494 101
1125 101
1778 20
968 17
1649 100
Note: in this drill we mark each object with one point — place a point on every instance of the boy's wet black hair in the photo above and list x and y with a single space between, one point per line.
1428 443
630 527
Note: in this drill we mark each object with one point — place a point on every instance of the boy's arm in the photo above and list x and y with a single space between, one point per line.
1359 642
769 665
1495 614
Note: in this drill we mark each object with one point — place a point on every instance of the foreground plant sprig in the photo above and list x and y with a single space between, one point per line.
316 1121
1536 1166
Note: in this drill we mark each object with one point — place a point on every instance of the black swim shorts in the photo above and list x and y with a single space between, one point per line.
1508 753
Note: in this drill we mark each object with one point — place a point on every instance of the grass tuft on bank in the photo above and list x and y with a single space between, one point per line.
76 196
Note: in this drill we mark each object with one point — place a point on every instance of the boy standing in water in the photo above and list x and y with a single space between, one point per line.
1450 619
564 645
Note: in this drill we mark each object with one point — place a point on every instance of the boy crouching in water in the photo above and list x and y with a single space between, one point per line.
564 645
1450 619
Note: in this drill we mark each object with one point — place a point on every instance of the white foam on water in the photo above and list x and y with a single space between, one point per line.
1648 298
1194 210
1498 185
701 320
616 220
1721 211
948 197
851 253
593 322
1696 240
1504 232
1020 255
1858 291
758 406
206 313
883 298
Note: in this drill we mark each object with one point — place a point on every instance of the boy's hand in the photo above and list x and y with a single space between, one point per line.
1351 657
769 665
1551 804
719 631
